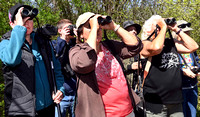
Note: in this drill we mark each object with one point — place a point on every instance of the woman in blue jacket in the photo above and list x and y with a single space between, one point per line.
27 68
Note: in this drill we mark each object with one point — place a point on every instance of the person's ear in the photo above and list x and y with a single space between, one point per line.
59 31
81 36
12 24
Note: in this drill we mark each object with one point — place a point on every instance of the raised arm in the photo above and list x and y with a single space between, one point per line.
155 46
186 44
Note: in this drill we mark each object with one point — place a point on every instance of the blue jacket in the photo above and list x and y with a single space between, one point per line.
28 72
62 50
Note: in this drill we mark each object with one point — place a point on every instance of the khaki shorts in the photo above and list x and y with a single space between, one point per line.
164 110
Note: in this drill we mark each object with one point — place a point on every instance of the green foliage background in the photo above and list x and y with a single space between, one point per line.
51 11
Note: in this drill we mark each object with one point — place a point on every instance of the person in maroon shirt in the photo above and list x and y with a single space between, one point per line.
84 59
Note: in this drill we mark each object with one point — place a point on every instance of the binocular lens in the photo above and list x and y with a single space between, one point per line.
34 11
25 12
173 20
109 19
170 21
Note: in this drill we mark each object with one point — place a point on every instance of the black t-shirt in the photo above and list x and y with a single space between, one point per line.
163 82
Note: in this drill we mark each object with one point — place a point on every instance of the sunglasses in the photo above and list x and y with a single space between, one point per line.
184 25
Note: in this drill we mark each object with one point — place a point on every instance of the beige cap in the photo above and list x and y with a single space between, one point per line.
83 18
180 22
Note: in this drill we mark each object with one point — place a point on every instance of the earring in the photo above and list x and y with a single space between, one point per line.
82 40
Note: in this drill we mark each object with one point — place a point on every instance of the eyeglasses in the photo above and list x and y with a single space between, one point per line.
184 25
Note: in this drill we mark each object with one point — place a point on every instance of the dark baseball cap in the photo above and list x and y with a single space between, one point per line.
14 9
128 23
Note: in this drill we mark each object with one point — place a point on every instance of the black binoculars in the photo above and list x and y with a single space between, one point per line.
170 21
195 70
71 28
103 21
48 30
29 13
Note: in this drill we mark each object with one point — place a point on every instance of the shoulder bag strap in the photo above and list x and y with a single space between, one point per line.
139 82
146 69
184 61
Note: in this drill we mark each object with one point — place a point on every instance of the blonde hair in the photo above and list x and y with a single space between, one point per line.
149 26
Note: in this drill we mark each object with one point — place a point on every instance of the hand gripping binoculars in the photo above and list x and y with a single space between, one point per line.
170 21
103 21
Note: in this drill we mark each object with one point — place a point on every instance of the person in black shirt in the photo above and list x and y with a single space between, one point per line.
162 86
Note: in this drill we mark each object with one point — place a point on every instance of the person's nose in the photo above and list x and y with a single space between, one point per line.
134 32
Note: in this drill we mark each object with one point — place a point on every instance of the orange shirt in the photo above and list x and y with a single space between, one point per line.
112 85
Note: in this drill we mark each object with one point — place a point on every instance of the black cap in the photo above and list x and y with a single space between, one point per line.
14 9
128 23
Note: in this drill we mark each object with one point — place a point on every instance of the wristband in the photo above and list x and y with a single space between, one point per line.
118 26
179 31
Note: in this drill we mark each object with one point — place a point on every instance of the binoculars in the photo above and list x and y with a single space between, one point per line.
71 28
103 21
195 70
29 13
170 21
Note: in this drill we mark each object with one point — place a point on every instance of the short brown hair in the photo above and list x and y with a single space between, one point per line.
62 22
79 32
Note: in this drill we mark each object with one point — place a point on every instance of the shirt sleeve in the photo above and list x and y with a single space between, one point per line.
82 58
10 50
58 74
127 51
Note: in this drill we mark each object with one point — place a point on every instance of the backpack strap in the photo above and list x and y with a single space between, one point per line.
146 69
148 64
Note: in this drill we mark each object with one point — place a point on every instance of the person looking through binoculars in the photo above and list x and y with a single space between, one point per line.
102 87
191 68
162 85
29 82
